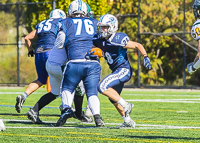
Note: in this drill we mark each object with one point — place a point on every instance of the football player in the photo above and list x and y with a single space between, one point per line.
195 33
46 32
78 31
114 46
56 60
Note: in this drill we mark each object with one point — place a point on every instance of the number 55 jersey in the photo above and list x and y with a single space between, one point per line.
47 31
195 30
114 53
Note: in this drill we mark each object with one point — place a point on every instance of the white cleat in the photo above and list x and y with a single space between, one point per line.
2 126
88 111
129 124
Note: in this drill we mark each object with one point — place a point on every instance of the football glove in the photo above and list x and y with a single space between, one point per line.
146 62
31 53
190 68
89 56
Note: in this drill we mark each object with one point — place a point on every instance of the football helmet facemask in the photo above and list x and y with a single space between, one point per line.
57 13
110 21
77 8
196 8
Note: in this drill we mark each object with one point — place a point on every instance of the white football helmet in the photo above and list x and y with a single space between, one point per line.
57 13
196 8
77 7
110 21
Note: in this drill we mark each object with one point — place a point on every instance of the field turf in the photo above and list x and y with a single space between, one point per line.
161 116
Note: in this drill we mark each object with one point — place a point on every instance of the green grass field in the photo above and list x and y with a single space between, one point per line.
162 116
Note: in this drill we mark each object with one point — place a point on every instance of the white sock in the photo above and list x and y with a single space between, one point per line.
25 95
126 119
122 102
94 104
67 99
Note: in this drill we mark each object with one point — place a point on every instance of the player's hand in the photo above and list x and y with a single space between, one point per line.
89 56
146 62
190 68
31 53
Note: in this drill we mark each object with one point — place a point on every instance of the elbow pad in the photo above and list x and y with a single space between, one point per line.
60 40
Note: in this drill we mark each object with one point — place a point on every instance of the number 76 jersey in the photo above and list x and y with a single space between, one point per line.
195 31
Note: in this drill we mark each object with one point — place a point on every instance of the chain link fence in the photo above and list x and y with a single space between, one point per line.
17 69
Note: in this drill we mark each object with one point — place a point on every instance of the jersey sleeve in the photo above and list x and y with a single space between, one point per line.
195 31
95 40
120 39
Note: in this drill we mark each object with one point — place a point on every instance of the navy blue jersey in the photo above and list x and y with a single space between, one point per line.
79 33
114 53
46 32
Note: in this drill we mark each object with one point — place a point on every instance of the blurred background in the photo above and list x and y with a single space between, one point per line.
162 27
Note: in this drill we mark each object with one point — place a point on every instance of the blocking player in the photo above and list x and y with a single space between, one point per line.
46 32
78 31
56 60
114 46
193 66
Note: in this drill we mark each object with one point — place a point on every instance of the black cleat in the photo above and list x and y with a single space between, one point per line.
66 113
19 102
33 116
98 121
84 118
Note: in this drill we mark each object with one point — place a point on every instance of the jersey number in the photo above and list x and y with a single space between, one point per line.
46 26
88 26
108 58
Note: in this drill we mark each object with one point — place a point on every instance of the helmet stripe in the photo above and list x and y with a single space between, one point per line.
79 5
101 18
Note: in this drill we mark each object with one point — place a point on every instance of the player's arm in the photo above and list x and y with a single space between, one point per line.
134 45
29 37
197 58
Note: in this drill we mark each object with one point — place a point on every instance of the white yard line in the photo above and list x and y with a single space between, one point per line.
164 100
138 126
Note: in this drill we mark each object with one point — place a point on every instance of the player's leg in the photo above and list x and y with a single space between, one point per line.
111 86
90 82
55 75
40 61
128 122
72 77
78 102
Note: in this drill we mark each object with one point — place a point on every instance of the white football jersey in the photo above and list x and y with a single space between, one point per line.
195 30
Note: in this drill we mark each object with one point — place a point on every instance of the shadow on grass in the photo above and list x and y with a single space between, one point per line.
16 115
162 137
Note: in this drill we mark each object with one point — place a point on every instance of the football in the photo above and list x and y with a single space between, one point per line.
97 51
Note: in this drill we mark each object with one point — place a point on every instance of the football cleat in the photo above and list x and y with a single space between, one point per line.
33 116
88 111
20 100
84 118
130 124
128 109
66 113
2 126
98 121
